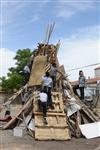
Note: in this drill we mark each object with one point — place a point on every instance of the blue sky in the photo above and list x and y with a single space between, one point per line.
23 25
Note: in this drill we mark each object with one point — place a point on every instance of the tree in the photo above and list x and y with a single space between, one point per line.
15 75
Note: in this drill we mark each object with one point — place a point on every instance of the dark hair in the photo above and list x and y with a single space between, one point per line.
43 90
47 74
80 71
7 112
54 64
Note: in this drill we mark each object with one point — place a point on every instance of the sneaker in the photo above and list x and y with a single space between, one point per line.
45 121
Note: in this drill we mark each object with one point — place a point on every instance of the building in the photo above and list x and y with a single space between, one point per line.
97 72
91 82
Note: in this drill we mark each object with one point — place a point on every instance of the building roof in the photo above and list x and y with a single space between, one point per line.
89 81
97 68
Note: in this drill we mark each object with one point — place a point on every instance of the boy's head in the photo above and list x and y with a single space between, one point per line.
81 73
43 91
54 65
7 113
47 74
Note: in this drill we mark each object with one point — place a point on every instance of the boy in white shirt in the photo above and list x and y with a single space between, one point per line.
43 104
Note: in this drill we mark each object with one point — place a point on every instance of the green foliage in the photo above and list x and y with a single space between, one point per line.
15 75
22 58
14 82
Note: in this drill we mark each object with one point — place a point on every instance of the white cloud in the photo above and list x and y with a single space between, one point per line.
65 14
19 12
10 11
34 19
6 58
80 50
68 8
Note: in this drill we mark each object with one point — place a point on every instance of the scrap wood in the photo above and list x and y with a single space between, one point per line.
15 95
25 109
28 125
90 113
87 110
74 121
78 122
85 118
57 128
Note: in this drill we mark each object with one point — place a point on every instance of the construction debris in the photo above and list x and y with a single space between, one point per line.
70 115
87 128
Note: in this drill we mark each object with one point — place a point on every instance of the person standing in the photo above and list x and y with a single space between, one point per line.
26 73
53 74
47 86
81 85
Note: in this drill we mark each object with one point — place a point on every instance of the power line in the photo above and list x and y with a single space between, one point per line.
83 67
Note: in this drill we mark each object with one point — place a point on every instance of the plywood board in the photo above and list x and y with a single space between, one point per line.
90 130
38 70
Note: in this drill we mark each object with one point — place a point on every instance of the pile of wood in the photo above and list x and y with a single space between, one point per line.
69 112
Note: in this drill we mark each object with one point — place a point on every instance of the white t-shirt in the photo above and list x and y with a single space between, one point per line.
47 81
43 97
26 69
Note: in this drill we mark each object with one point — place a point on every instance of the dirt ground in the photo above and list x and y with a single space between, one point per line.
9 142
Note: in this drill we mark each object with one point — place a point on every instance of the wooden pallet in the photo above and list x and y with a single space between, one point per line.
57 128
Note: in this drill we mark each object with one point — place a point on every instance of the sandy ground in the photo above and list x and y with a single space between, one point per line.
10 142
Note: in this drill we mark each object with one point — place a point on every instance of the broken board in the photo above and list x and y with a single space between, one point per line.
25 109
57 128
38 70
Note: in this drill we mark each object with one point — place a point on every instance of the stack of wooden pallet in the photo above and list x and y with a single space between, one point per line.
57 128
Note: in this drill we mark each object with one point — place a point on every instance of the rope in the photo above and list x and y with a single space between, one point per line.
83 67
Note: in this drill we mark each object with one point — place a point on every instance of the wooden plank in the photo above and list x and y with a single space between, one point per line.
78 122
58 101
51 113
87 110
57 128
26 108
52 134
38 70
49 126
52 121
15 95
